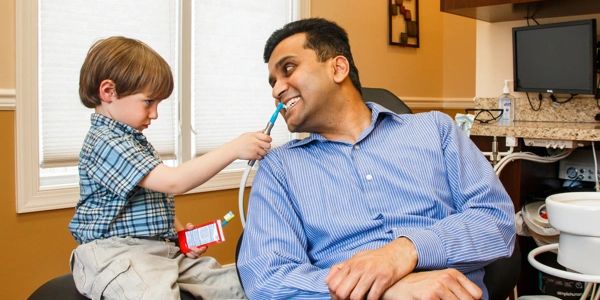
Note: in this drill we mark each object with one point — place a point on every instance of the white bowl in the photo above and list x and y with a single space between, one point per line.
577 217
579 253
576 213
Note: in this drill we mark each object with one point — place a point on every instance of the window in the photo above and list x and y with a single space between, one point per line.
214 48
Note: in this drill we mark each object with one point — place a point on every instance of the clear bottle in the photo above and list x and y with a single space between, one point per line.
506 102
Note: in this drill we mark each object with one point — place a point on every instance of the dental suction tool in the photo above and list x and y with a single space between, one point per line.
267 131
269 126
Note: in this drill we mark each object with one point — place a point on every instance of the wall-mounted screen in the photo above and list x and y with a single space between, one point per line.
555 58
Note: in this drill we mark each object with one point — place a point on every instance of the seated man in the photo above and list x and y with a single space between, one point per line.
371 201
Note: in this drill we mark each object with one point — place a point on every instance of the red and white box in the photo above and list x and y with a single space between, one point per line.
201 235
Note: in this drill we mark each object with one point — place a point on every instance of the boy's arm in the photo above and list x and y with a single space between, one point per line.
177 180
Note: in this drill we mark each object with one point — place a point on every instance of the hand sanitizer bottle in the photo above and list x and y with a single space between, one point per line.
506 102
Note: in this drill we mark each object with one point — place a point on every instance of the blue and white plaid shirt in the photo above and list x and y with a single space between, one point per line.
315 203
113 160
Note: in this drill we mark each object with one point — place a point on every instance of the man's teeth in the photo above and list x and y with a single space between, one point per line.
292 102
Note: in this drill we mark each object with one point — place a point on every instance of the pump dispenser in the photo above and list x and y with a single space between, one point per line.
506 102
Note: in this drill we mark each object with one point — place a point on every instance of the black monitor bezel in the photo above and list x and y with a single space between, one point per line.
592 91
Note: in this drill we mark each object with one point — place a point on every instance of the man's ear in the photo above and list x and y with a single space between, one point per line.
107 91
341 68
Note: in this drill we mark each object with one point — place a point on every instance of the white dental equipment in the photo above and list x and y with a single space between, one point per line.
576 216
267 131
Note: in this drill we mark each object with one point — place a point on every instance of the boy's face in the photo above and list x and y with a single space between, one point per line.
302 82
135 110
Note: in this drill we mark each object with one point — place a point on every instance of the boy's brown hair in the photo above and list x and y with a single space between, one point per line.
133 66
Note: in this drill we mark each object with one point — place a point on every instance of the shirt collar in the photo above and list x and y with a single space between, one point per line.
102 120
378 113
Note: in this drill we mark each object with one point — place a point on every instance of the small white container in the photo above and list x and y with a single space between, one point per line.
577 217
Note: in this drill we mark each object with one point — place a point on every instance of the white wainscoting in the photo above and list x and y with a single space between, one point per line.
438 103
7 99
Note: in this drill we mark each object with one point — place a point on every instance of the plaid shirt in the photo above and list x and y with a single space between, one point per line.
114 159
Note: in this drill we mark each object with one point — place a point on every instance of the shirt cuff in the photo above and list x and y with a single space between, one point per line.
430 248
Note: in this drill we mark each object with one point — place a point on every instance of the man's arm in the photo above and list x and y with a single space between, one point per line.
441 284
273 260
480 230
371 272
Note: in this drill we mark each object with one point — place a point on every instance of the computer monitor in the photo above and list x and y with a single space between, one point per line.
555 58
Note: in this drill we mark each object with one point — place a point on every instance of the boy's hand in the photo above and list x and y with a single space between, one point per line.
195 252
251 145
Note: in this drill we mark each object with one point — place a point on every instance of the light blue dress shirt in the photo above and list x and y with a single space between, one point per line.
315 203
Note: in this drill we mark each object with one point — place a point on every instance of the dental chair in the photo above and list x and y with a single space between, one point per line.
386 99
63 288
501 275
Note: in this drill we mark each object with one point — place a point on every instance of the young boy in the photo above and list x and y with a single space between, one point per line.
125 219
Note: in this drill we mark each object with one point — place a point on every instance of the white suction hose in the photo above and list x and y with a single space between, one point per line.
266 131
557 272
241 195
531 157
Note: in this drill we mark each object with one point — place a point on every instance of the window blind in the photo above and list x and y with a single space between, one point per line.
66 33
230 90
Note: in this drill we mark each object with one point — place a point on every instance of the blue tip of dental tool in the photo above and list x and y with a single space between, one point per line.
276 113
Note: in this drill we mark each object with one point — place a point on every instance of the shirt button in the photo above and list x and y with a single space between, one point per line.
356 147
369 177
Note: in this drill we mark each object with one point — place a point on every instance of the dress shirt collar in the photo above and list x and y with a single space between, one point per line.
378 112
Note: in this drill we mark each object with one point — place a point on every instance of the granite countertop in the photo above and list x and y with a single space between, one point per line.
572 121
541 130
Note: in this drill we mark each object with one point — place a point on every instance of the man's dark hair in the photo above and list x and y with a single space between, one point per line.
326 38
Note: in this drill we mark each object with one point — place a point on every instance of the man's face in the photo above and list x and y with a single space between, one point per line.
301 82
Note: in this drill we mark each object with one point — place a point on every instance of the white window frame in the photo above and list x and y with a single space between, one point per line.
30 197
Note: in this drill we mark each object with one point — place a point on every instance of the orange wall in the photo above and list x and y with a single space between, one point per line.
37 245
7 48
442 67
458 56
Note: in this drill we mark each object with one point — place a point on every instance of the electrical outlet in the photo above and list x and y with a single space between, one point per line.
553 144
511 141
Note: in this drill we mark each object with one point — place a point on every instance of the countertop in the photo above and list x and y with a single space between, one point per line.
572 121
572 131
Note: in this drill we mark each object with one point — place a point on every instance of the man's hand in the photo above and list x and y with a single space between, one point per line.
440 284
370 273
